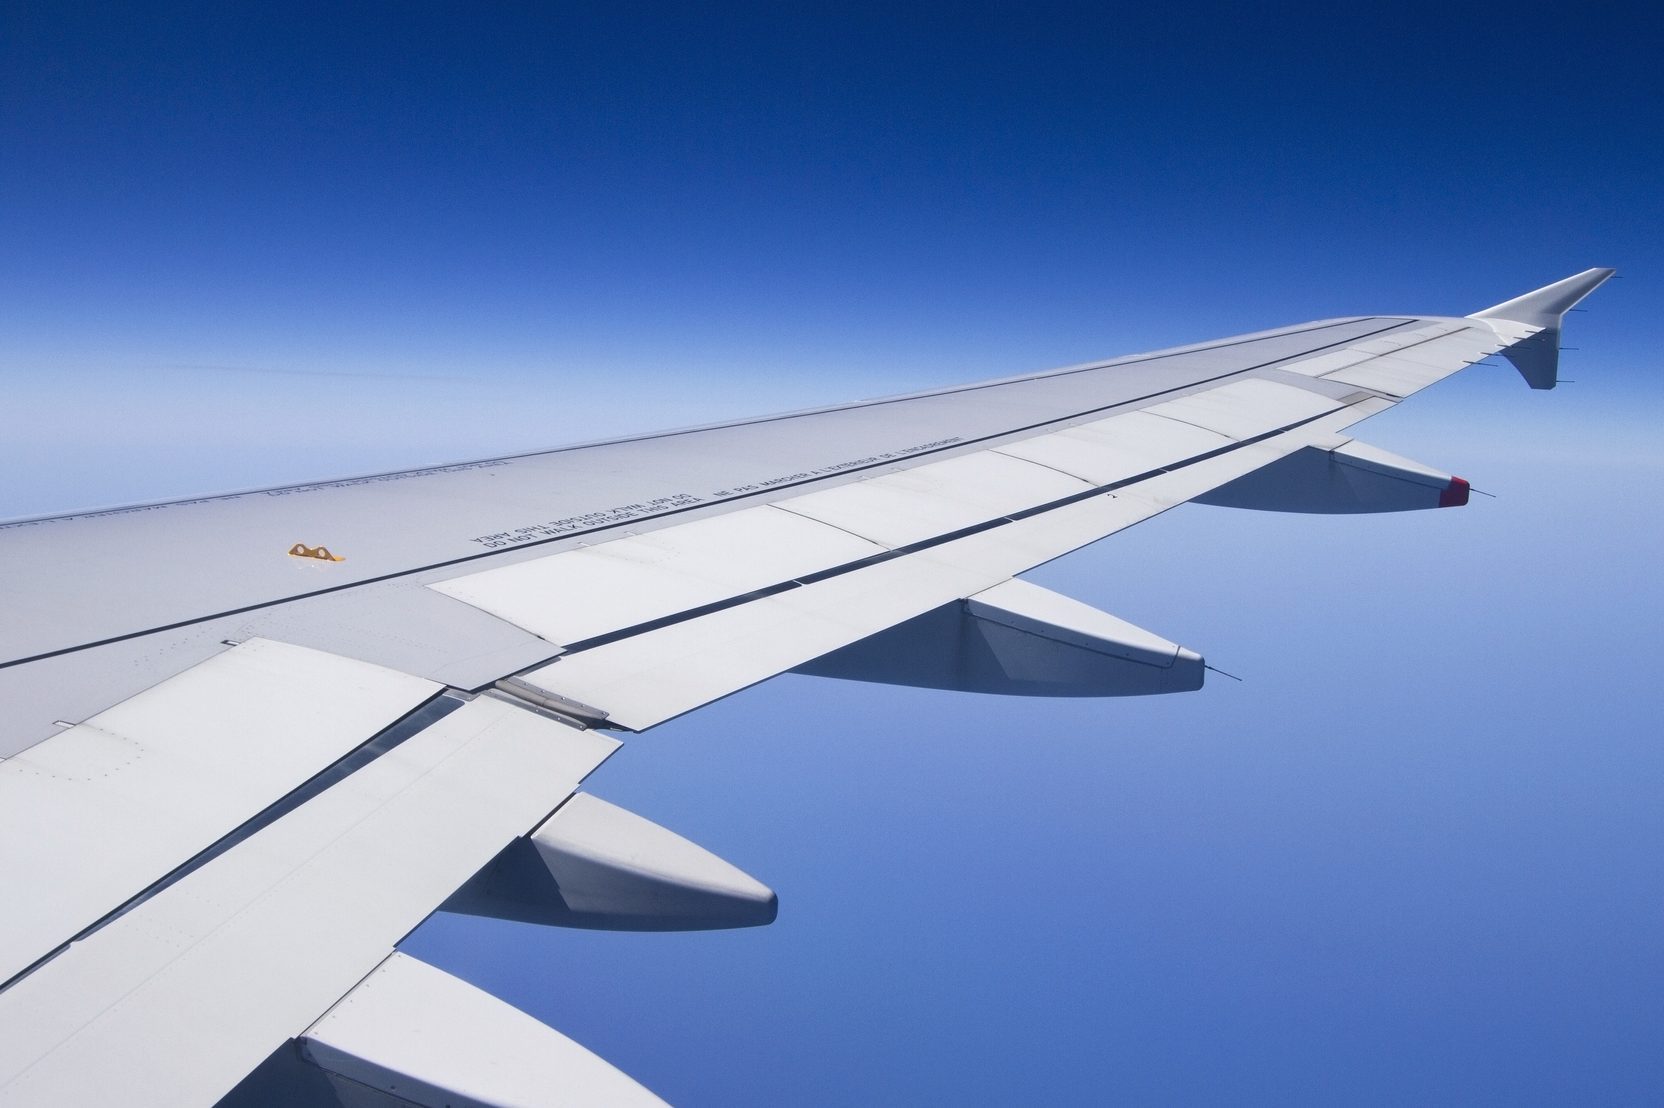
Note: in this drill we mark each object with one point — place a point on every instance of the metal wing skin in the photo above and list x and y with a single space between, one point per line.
251 741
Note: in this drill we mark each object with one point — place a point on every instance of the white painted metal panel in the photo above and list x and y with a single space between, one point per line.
1373 459
649 678
578 594
174 1002
1449 354
1323 363
1051 615
646 679
1021 640
1401 368
94 815
1114 449
902 508
1391 375
1436 343
1428 331
1027 543
416 1032
1386 344
1243 409
616 869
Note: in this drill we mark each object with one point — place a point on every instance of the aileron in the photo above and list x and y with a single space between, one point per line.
1244 409
1118 448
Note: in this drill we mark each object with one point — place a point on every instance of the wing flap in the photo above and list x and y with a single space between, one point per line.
1244 409
1109 450
174 1002
646 678
900 509
1324 363
615 588
581 594
1390 375
1402 368
102 811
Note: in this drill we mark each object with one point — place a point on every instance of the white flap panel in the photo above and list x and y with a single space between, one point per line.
578 594
1114 449
648 678
1243 409
1323 363
185 762
1429 331
1018 547
1449 354
175 1001
1393 376
1053 616
902 508
1384 345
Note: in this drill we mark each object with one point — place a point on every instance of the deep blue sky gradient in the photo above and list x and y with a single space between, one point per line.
1413 858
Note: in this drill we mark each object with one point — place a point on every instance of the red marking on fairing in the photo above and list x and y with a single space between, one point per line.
1455 495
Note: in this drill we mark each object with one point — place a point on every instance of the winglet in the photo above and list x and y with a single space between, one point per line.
1538 357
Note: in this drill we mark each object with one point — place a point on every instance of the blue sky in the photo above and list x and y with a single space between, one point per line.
1412 858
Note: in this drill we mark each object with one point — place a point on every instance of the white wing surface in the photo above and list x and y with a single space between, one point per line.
251 741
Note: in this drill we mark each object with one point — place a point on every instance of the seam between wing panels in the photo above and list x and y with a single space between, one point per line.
1398 321
418 719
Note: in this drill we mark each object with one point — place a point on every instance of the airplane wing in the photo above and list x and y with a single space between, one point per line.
251 741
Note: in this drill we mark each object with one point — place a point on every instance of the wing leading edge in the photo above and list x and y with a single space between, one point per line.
234 789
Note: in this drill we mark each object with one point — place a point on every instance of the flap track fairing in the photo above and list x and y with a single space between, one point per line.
1350 478
1017 639
595 865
